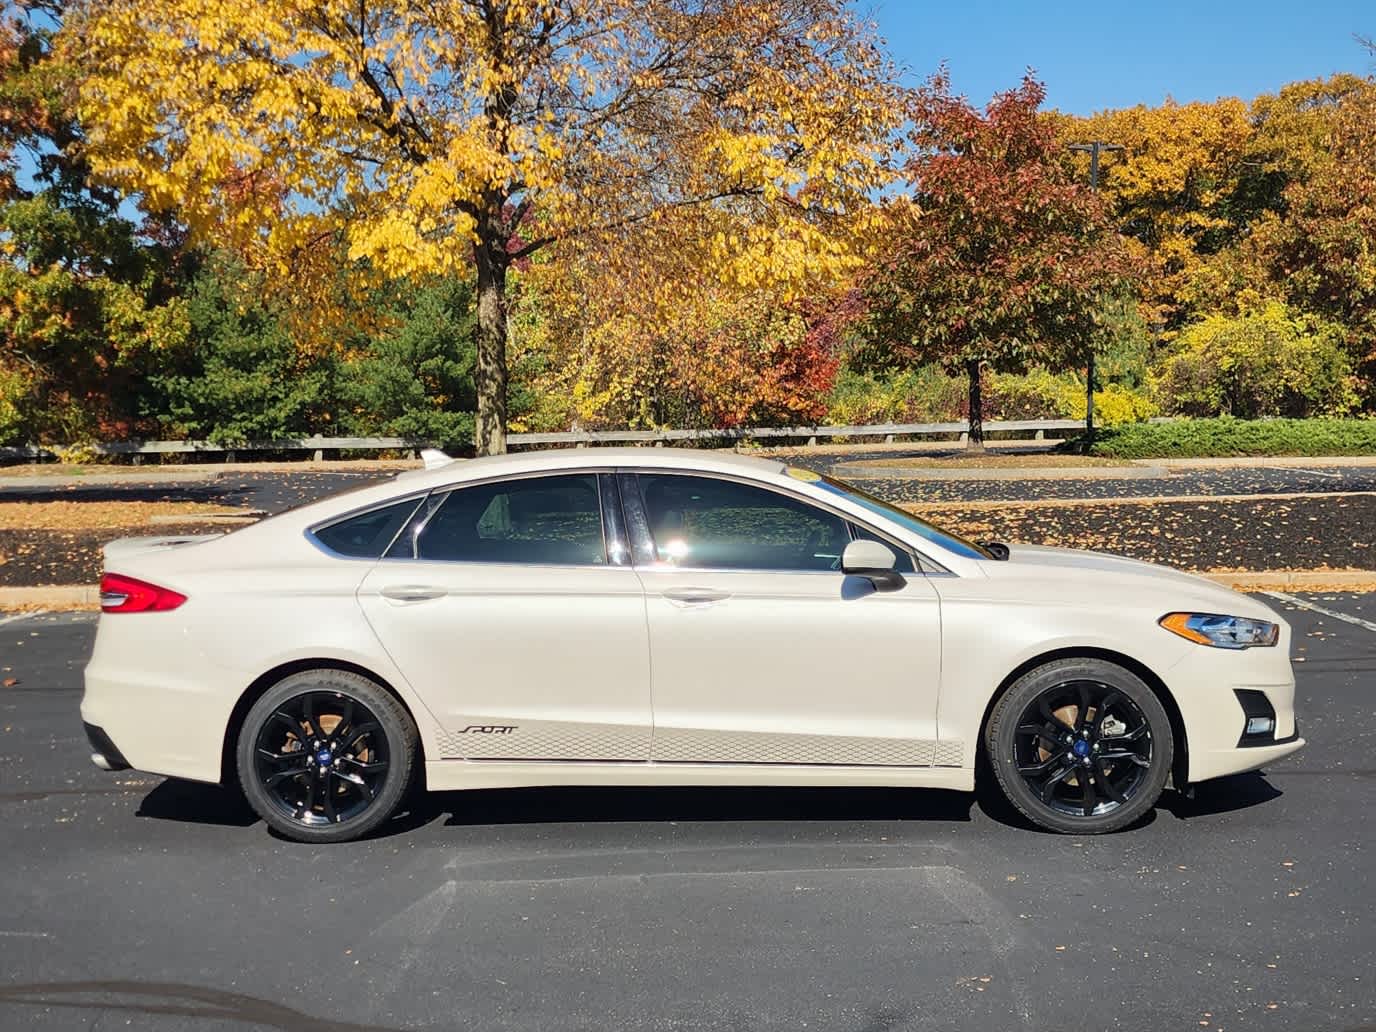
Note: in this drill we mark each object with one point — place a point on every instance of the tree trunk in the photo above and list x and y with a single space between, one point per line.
976 439
1089 400
489 433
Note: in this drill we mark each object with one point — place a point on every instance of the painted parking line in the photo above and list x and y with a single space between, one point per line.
20 616
1299 469
1356 621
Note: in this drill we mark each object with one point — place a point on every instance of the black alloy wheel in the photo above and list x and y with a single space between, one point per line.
322 757
1080 746
326 756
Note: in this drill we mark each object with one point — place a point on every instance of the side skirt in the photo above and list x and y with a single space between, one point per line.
447 775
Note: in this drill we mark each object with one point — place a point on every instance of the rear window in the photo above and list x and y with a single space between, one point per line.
367 535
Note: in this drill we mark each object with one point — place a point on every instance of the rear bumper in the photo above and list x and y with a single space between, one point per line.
155 722
104 753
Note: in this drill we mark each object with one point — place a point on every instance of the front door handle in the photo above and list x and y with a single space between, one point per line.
696 596
412 592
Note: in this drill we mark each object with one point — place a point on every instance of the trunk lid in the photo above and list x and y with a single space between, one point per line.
122 549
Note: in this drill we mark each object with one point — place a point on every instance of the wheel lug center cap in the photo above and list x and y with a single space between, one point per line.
323 757
1081 748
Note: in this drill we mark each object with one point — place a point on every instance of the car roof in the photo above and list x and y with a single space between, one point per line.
581 458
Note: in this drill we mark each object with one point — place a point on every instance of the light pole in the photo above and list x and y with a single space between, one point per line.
1093 150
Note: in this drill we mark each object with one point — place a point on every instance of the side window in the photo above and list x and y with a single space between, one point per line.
541 520
905 560
366 536
723 524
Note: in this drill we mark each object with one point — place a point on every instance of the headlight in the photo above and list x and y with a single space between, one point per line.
1223 632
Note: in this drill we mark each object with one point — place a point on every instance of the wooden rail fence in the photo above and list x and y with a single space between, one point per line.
319 446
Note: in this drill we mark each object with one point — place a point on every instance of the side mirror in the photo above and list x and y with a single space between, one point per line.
873 561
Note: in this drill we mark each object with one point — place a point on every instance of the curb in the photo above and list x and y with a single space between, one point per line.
51 596
87 596
981 505
1297 580
864 471
1263 461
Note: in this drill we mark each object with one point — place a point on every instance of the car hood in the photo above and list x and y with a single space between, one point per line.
1063 568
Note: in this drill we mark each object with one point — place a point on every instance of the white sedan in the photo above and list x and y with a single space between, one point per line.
666 617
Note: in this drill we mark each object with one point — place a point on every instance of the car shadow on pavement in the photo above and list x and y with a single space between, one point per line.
592 805
1222 795
194 802
141 1000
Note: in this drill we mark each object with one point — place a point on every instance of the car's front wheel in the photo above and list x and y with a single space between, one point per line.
1080 746
326 756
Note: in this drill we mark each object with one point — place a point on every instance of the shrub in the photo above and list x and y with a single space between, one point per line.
927 395
1042 395
15 391
1114 405
1037 394
921 395
1204 438
1268 362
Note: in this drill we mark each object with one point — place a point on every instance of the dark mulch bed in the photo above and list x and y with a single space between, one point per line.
271 491
32 557
1296 534
1280 534
1178 484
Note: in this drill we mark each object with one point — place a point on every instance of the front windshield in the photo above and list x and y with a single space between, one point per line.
951 542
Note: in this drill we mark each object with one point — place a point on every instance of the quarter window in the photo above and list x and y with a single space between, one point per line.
541 520
367 536
722 524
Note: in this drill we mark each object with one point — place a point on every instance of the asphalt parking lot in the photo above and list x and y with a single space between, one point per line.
133 901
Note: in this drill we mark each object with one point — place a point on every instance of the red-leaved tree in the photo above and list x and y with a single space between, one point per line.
997 258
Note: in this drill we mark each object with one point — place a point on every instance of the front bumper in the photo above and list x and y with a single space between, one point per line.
1217 690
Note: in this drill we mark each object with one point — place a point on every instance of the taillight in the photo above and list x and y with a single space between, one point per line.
120 594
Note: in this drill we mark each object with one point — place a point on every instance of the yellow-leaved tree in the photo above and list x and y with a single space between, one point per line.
1171 186
469 134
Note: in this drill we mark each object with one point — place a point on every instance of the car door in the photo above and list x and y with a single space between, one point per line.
762 650
512 609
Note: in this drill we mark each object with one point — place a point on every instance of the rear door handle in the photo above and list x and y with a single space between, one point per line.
412 592
696 596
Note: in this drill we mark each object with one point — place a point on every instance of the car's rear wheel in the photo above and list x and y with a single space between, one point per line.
326 756
1080 746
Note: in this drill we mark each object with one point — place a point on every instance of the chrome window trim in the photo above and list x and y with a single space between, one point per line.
927 566
617 541
637 520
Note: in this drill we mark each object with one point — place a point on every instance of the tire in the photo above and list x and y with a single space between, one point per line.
326 756
1034 744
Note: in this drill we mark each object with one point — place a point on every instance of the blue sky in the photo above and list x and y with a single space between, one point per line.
1113 54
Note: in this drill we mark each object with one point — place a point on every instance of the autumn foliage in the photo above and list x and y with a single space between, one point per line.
427 136
443 220
999 258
